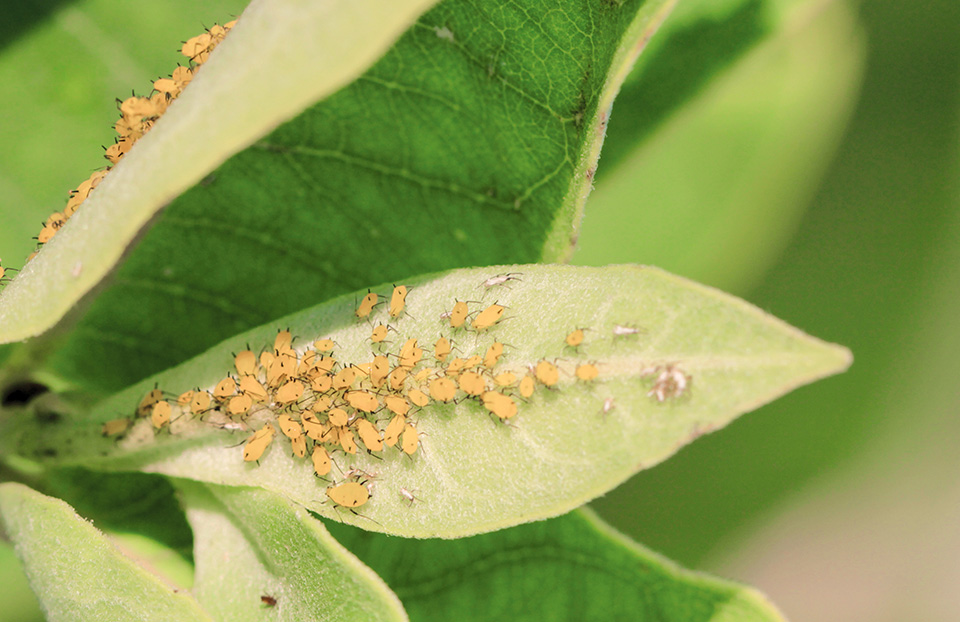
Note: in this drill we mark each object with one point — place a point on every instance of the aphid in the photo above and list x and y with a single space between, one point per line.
289 427
46 234
116 427
258 443
443 389
289 392
321 383
398 300
456 366
547 373
397 378
379 333
246 363
225 388
396 404
505 379
394 429
406 494
299 446
379 371
620 330
283 341
56 220
424 373
3 271
369 434
488 317
500 279
239 404
363 400
347 442
284 366
587 372
324 345
321 404
418 397
306 366
349 494
493 355
608 405
459 314
499 404
366 305
313 427
472 383
250 386
410 354
268 600
321 460
527 385
409 441
575 338
441 349
338 417
474 361
344 378
266 359
198 48
670 382
200 402
325 363
151 398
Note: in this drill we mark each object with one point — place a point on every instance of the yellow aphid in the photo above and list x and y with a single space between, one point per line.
151 398
474 361
397 378
284 366
250 386
547 373
117 150
409 441
493 355
396 404
379 333
338 417
289 427
587 372
398 300
246 363
306 364
135 108
198 48
527 385
258 443
349 494
394 429
441 349
344 378
410 354
299 446
456 366
321 460
347 442
363 400
167 86
322 404
312 426
324 345
363 369
200 402
575 338
443 389
321 383
115 427
488 317
56 220
239 404
418 397
459 314
283 340
369 434
366 305
379 371
424 373
499 404
472 383
160 414
46 234
225 388
266 359
290 392
185 398
505 379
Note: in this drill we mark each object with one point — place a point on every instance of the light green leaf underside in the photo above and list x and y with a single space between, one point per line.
593 573
282 56
473 474
77 574
251 543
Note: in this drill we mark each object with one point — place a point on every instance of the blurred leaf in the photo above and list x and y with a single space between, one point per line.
76 573
714 189
563 449
282 56
251 543
471 143
19 602
569 568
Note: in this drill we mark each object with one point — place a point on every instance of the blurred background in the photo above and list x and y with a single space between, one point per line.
815 177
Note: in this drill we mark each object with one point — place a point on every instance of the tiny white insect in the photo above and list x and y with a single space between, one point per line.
409 496
622 330
500 279
670 381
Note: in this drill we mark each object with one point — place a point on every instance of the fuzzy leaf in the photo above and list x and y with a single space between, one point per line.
473 473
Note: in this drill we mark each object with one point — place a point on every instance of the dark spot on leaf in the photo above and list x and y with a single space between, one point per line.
22 393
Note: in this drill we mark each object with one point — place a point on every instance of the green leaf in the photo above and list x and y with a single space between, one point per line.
570 568
283 55
251 543
76 573
754 117
474 474
471 151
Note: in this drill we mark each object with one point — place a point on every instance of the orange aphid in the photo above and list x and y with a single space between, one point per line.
369 434
488 317
472 383
379 333
321 383
366 305
56 220
505 379
115 427
398 300
397 378
46 234
547 373
225 388
151 398
409 440
160 414
299 446
392 434
324 345
185 398
283 341
474 361
424 373
441 349
347 442
266 359
249 385
338 417
575 338
313 427
344 378
410 354
379 371
349 494
493 355
290 392
321 404
396 404
499 404
321 460
324 363
456 366
587 372
443 389
246 363
200 402
239 404
418 397
306 366
459 314
363 400
258 443
527 385
289 427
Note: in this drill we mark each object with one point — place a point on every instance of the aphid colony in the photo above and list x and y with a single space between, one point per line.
137 116
324 405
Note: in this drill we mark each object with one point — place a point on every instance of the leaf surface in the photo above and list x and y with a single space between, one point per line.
566 445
